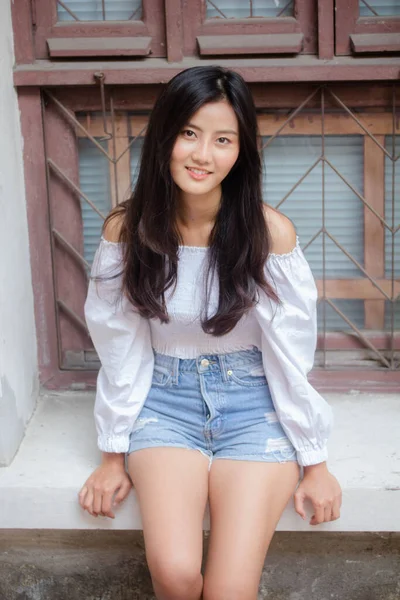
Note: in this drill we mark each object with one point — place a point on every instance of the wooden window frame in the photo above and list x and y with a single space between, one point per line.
67 39
363 35
253 36
45 195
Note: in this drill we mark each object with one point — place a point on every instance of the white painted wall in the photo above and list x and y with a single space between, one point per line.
18 361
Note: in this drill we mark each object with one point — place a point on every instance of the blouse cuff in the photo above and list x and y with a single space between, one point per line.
113 443
306 458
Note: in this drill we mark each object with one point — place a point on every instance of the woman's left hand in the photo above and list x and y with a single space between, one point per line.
323 490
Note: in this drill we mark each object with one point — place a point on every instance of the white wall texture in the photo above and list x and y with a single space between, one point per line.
18 360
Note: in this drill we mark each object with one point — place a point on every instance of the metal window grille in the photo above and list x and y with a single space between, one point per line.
237 9
99 10
379 8
329 167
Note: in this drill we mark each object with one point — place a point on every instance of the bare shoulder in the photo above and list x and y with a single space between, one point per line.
281 228
113 225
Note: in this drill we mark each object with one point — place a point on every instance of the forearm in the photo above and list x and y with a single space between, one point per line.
320 467
113 458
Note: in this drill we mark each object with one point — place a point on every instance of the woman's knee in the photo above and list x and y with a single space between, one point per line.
176 576
232 589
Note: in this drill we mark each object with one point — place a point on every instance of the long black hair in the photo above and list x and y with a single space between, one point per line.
239 242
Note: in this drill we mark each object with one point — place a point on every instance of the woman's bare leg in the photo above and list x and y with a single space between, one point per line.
246 501
172 487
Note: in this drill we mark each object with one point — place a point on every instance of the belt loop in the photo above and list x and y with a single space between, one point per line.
175 370
222 364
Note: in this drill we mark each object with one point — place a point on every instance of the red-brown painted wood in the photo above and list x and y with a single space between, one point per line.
93 47
194 13
266 95
274 43
66 217
150 71
152 25
173 26
22 18
39 233
382 25
348 23
306 14
326 31
375 42
346 15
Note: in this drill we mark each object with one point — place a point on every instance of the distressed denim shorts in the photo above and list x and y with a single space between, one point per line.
219 404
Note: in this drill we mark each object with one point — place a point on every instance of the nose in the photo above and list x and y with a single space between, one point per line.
202 153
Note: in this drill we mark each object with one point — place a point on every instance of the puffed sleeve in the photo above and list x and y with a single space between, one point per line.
289 337
122 339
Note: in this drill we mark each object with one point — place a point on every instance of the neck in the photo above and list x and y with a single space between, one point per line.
196 216
198 210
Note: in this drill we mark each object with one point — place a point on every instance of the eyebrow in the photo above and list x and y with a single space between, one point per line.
231 131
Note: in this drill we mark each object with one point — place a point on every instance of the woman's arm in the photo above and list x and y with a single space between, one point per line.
289 340
121 337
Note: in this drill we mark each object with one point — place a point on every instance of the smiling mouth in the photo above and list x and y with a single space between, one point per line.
198 171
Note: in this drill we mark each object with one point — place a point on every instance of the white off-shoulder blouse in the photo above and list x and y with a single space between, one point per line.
286 335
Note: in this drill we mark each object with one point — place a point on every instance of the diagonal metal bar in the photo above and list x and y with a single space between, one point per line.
360 196
65 7
75 121
290 117
359 123
114 151
60 238
217 9
284 8
359 332
133 15
298 182
370 8
73 316
314 237
353 260
100 77
72 185
131 143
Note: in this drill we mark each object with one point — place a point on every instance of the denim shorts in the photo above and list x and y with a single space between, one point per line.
219 404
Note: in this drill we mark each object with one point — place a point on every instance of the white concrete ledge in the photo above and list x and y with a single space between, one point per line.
39 490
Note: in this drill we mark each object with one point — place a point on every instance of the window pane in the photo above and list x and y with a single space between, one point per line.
379 8
286 160
136 151
392 201
94 177
244 9
99 10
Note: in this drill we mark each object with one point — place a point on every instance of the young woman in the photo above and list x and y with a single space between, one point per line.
202 309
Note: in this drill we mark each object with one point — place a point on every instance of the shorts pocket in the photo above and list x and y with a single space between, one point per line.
248 375
161 376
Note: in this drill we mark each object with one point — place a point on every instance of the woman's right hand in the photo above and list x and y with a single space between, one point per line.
109 479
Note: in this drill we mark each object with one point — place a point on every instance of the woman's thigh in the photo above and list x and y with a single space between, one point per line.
172 486
247 499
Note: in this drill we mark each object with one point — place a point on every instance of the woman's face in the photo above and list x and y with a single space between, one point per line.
206 149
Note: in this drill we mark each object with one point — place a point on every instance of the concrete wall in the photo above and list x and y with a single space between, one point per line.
18 362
